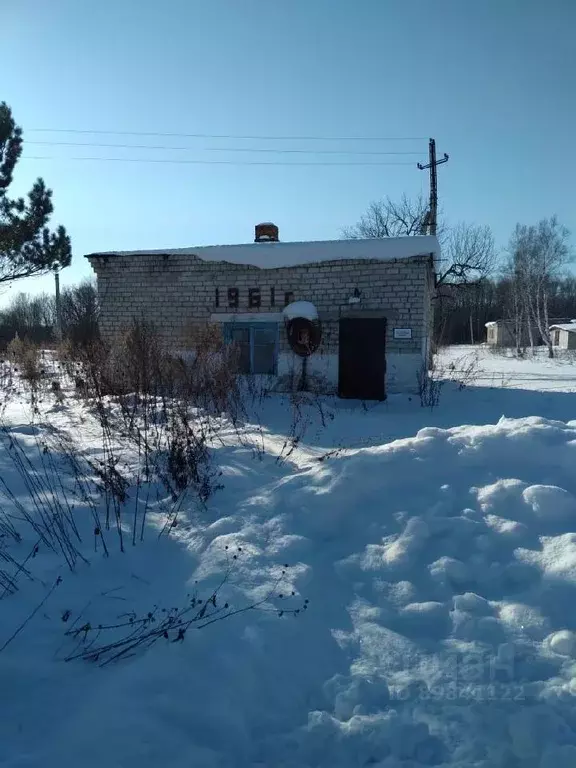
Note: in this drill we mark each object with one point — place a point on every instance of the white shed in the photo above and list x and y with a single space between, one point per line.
564 335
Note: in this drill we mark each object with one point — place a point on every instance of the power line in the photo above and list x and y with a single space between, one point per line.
227 135
213 162
220 149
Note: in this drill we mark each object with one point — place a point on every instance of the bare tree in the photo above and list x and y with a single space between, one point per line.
387 218
537 256
467 250
468 254
515 309
80 312
29 317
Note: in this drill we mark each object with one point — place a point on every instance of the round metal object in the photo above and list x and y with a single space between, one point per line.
304 335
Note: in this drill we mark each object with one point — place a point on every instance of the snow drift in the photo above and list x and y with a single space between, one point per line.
441 574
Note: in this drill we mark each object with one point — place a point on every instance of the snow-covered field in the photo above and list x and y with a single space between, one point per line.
501 368
436 550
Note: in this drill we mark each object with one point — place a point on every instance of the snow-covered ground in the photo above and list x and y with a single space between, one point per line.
436 550
500 367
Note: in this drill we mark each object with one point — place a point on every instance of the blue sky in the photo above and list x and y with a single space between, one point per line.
493 81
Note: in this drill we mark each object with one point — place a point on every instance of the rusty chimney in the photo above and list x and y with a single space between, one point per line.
266 233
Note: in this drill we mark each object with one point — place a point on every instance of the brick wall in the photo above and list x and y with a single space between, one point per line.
174 292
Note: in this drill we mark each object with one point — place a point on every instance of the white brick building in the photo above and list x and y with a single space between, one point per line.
373 299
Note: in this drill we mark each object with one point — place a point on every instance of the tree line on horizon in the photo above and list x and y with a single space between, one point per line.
35 318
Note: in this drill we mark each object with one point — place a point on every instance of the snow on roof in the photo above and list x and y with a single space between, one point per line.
301 309
269 255
501 321
570 327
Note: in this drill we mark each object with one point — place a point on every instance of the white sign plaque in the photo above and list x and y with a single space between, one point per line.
402 333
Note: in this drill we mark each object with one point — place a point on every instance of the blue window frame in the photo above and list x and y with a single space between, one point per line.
257 345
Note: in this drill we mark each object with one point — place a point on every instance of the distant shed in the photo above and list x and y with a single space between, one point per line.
564 335
502 333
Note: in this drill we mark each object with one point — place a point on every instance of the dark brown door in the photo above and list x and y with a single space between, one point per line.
362 358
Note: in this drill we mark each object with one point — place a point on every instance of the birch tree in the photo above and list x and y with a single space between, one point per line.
539 254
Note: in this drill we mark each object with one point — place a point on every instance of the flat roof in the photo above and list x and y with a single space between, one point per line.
270 255
570 327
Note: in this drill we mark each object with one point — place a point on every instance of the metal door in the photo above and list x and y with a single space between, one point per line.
362 358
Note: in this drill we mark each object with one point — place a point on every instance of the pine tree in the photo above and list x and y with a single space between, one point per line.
27 246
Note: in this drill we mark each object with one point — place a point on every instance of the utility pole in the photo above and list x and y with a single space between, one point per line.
432 215
57 297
